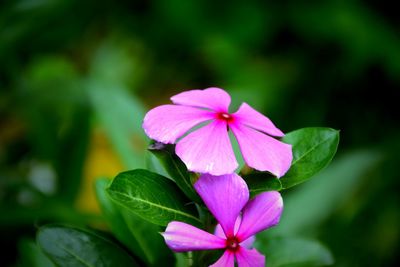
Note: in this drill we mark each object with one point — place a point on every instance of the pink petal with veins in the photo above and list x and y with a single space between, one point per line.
249 258
208 150
182 237
254 119
227 260
212 98
261 151
224 196
248 243
169 122
260 213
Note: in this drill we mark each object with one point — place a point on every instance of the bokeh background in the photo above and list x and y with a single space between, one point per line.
76 78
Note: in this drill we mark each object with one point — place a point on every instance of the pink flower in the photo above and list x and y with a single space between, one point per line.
208 149
227 198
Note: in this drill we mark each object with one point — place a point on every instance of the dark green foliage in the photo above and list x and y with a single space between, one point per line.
313 149
67 246
175 168
152 197
69 68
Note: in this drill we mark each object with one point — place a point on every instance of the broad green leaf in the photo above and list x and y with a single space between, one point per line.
175 168
141 237
67 246
151 196
313 149
149 239
313 202
153 164
288 251
116 220
30 255
261 182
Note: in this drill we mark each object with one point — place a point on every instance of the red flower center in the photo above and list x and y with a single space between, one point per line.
232 244
225 117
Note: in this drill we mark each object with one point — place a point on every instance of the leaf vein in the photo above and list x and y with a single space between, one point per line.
76 256
310 150
157 205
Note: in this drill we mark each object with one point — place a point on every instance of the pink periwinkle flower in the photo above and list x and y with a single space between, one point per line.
208 149
227 198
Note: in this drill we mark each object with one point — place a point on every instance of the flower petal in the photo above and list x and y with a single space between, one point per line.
168 122
254 119
208 150
249 258
260 213
248 243
220 232
182 237
262 152
226 260
224 196
213 98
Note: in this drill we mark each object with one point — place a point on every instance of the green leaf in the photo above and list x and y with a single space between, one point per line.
316 200
288 251
313 149
30 255
149 239
67 246
175 168
116 220
261 182
151 196
141 237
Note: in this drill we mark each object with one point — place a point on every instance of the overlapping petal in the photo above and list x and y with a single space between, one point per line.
208 150
261 151
254 119
220 232
224 196
182 237
248 243
169 122
226 260
212 98
260 213
249 258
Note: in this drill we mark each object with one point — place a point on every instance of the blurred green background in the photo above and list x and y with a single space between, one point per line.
76 78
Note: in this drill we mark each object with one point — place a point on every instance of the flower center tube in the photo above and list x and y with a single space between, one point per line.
232 244
224 116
